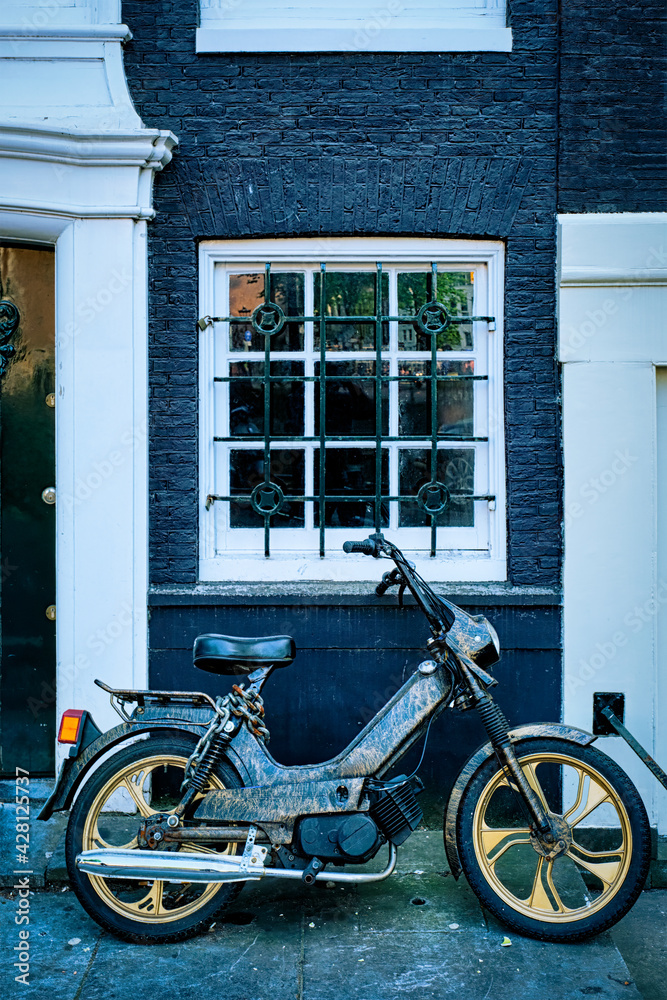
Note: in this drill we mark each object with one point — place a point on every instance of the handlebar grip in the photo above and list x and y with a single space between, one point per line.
367 548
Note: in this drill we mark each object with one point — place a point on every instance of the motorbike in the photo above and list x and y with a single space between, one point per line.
173 810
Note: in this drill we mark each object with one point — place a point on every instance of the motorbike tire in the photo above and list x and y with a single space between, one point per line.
149 772
600 869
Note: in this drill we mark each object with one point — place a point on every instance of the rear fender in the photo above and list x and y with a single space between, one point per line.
553 730
73 770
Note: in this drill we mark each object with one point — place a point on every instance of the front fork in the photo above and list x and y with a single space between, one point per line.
497 728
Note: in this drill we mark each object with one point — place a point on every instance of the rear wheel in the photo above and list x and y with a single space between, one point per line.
593 873
137 782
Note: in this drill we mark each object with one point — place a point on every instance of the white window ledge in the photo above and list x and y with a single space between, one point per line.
366 36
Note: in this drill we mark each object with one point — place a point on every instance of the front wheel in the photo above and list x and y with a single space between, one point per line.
590 876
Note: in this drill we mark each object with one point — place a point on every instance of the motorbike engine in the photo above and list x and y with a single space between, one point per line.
395 808
393 815
351 837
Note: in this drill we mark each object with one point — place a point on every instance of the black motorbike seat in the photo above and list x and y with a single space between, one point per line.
228 654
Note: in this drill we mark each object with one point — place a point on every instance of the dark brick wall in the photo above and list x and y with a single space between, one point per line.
353 143
613 128
340 678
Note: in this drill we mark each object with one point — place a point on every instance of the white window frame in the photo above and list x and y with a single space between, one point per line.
373 26
483 560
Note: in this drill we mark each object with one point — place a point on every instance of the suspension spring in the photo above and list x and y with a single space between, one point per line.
495 723
497 727
214 753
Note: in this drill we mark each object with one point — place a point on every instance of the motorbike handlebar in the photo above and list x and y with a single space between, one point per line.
367 548
438 613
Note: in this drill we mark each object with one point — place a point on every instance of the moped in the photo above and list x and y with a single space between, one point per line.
182 803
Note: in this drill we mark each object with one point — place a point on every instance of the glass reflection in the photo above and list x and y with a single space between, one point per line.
351 293
455 399
246 292
455 468
246 399
287 468
350 403
455 291
351 471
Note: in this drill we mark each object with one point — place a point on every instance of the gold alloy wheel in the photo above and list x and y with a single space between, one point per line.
515 866
150 901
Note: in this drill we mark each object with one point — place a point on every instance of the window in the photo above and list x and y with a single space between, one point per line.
350 26
351 386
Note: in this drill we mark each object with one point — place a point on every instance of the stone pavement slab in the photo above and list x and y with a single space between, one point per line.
285 941
46 843
641 937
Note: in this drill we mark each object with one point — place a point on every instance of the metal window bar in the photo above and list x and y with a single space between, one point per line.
268 319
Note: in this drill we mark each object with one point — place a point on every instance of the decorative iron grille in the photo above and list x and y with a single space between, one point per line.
268 499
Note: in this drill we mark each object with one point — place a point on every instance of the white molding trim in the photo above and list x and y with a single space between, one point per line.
67 166
70 210
355 38
85 32
137 148
589 276
472 565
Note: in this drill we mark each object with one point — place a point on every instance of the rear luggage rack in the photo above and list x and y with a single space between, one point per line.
120 697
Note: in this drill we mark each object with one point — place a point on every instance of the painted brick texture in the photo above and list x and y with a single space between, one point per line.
613 126
367 144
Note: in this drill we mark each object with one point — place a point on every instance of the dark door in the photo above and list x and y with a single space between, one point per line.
27 511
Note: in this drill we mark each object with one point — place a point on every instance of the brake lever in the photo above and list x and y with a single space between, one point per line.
389 579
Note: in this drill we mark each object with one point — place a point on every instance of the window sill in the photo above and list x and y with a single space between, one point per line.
472 567
343 594
362 37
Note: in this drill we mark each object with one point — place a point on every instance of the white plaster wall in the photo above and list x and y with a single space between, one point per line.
76 170
612 334
661 662
102 490
41 14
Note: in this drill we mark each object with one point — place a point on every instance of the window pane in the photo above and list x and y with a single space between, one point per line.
455 399
247 471
351 293
350 403
455 291
351 472
456 469
246 292
246 399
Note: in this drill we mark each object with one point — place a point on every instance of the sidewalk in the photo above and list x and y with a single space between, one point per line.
419 934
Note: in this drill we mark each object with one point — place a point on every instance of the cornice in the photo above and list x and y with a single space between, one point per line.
86 32
150 148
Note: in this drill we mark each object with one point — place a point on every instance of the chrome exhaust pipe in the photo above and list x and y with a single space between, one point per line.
189 867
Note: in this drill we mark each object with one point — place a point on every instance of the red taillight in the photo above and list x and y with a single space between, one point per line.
70 725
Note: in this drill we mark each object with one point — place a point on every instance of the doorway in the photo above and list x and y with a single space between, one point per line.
27 510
